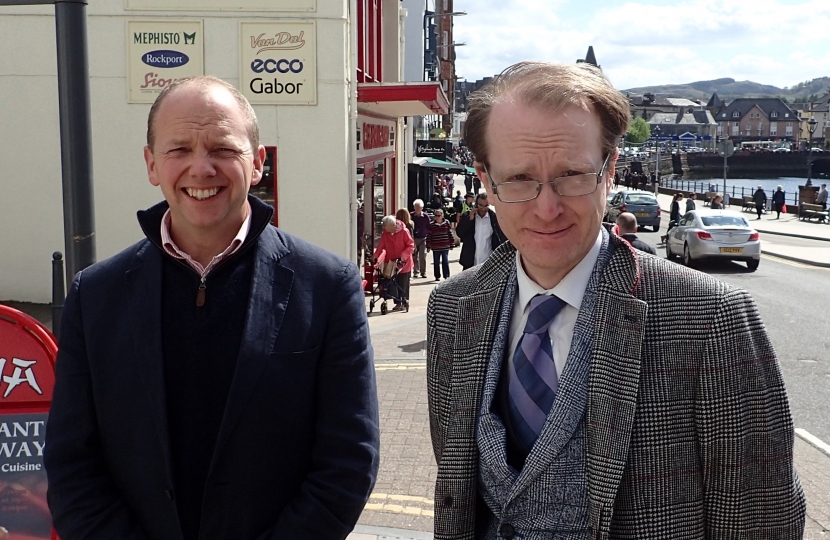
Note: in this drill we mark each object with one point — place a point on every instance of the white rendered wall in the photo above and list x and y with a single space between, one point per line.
314 167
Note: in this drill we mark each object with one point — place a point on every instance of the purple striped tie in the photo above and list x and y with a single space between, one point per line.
533 379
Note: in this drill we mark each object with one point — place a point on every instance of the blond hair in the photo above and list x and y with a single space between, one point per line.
550 87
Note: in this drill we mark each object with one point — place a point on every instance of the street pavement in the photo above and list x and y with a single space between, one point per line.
401 505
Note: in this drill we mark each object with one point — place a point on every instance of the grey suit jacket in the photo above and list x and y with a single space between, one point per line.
689 429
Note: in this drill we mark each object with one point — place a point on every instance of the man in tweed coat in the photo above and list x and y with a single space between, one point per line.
579 388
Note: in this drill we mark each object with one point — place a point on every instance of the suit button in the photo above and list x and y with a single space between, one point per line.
448 501
507 531
169 493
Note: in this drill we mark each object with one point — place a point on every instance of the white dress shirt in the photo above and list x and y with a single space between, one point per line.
571 290
483 232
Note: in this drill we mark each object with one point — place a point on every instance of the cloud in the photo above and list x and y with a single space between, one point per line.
778 42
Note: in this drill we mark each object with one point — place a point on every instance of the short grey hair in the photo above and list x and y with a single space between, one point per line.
418 202
390 220
438 212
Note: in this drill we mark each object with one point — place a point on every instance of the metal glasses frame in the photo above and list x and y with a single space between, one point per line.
539 184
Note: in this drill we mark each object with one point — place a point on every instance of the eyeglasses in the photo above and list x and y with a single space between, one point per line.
576 185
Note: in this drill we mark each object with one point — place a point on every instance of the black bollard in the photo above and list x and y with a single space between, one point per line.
58 292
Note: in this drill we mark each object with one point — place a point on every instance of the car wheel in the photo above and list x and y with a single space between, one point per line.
656 228
687 256
752 264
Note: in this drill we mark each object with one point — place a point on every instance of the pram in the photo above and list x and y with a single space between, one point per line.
386 285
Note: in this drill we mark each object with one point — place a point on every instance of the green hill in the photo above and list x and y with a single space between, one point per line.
729 89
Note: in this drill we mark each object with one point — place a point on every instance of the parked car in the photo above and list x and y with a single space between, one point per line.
818 150
714 234
642 204
782 149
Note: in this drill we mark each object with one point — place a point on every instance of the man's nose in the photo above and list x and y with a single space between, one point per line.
549 202
202 165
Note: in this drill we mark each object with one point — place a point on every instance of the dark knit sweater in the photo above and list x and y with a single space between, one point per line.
200 347
439 236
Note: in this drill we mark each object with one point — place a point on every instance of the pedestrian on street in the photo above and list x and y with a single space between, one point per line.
398 244
627 226
717 202
476 185
468 182
690 202
437 201
821 197
479 232
403 215
440 241
778 201
458 203
421 221
674 211
564 398
760 198
214 380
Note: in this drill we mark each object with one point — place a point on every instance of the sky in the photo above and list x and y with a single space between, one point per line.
650 42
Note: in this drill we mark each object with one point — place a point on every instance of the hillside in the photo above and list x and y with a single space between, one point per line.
729 89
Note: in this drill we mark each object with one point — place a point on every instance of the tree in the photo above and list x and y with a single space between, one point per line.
638 132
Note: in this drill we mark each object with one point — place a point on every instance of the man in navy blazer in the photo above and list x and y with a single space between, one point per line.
215 380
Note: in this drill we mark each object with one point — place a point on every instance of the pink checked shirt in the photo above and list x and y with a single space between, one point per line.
173 250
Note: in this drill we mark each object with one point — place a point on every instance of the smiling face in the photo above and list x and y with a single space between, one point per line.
552 233
204 163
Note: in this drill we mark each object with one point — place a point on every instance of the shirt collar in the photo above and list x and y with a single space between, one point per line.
572 287
173 250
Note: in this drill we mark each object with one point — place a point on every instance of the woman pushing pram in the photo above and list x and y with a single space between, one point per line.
397 244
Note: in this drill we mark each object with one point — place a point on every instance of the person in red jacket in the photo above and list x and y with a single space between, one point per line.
398 244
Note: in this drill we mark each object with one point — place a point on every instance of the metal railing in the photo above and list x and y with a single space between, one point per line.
734 192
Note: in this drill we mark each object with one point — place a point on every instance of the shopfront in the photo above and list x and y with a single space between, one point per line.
376 175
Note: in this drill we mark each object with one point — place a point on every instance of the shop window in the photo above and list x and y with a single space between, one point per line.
266 189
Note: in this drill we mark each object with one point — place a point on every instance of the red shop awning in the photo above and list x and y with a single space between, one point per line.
402 99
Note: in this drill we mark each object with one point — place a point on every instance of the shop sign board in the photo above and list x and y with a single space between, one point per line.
27 378
279 62
438 149
159 52
223 5
375 136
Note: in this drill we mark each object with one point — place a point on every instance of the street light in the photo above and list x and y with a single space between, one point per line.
657 165
812 129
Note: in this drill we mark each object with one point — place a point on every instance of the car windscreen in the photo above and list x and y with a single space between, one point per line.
723 221
640 198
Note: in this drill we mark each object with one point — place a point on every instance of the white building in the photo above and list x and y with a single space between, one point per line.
322 74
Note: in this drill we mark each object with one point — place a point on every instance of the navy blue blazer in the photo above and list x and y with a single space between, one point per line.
297 452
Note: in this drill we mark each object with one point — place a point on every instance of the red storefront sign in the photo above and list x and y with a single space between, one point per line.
27 377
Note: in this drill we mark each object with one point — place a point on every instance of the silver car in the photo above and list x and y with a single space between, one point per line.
714 234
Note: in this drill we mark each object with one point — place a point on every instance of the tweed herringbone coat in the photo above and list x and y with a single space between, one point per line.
689 432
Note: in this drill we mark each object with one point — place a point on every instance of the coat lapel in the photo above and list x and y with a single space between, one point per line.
144 300
270 292
476 323
613 381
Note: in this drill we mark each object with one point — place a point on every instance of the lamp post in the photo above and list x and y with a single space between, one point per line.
657 166
811 127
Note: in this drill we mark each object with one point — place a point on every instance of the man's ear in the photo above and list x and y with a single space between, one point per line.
150 161
483 177
259 165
